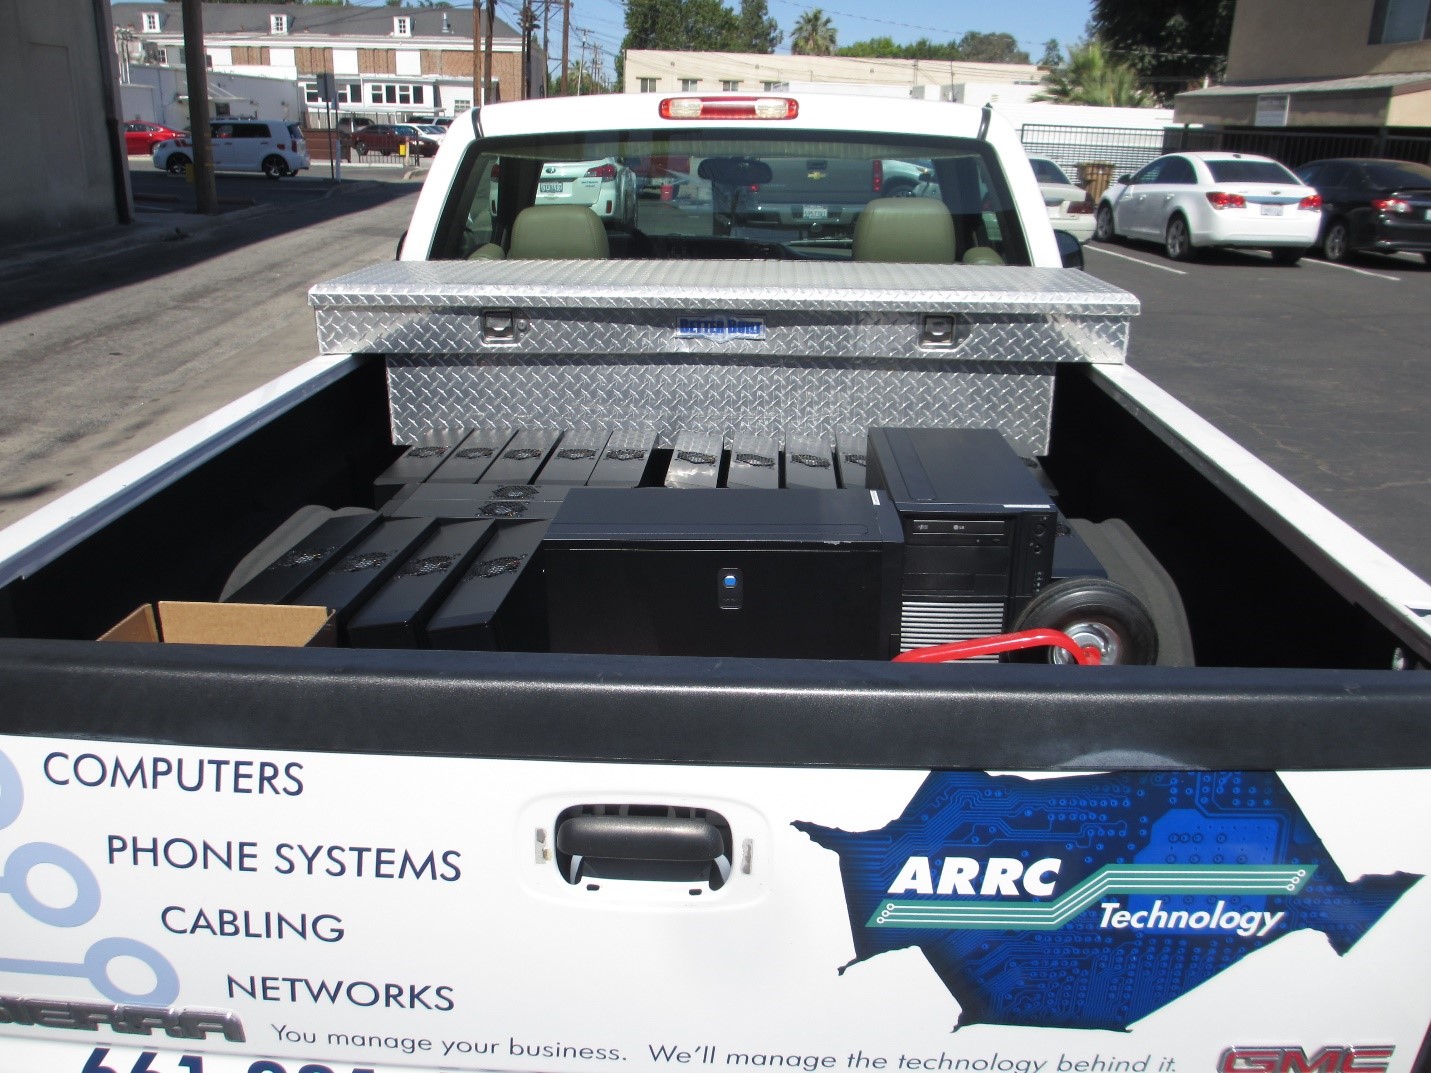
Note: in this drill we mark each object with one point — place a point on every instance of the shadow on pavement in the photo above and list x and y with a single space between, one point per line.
40 276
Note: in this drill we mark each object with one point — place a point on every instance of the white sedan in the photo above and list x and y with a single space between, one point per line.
1069 207
1194 201
606 186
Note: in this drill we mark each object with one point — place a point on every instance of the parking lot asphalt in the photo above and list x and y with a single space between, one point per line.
1318 369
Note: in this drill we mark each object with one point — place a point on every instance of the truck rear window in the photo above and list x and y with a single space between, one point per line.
737 194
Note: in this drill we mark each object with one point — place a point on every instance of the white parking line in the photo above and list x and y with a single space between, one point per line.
1349 268
1136 260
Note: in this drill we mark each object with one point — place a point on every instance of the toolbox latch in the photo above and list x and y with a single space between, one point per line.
501 325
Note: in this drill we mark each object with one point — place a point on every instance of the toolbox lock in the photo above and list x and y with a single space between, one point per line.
501 325
938 332
667 844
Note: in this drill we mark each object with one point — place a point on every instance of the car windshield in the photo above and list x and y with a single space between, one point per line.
1249 171
1046 171
1399 176
723 193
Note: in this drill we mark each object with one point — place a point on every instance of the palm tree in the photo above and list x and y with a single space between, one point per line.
814 35
1092 77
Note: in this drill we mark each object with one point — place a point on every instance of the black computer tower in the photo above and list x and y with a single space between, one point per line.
798 573
978 526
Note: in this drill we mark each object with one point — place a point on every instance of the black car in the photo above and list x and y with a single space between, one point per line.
1383 206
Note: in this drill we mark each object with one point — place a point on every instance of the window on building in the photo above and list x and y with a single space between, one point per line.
648 85
730 85
150 24
402 26
396 93
771 87
461 104
222 108
690 85
278 24
344 92
1397 21
161 57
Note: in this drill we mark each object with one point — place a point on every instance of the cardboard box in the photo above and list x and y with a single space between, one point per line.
174 622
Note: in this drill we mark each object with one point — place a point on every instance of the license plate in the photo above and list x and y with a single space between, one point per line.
815 212
1271 210
550 188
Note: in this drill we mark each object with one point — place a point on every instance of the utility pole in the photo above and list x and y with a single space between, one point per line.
196 71
476 54
581 67
487 64
528 19
565 41
546 47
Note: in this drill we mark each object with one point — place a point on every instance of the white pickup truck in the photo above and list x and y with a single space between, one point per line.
720 646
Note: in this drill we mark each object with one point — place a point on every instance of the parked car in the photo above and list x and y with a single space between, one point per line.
1367 204
606 186
140 138
1069 206
431 130
385 138
1194 201
272 146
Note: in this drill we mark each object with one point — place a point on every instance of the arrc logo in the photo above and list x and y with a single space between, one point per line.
1367 1059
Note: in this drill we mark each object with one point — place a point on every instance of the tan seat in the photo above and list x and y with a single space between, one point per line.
912 230
981 255
558 232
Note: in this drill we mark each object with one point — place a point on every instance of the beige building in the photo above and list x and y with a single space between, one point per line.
665 71
1319 64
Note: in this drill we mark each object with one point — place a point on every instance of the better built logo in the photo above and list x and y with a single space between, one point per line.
718 326
1090 902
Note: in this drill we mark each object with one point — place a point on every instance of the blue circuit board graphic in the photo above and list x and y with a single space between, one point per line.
1091 901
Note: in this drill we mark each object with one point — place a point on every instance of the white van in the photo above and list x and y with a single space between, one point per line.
272 146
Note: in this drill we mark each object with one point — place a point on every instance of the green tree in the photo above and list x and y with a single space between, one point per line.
756 31
814 34
975 47
690 25
1052 54
1172 43
1090 77
875 48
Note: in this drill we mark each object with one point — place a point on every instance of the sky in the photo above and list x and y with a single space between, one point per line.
1032 22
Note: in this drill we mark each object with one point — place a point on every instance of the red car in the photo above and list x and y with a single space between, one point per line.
140 138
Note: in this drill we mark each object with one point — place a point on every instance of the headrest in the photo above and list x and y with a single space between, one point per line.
981 255
558 232
913 230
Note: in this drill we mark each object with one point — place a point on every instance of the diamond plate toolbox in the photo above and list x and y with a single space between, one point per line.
722 347
769 309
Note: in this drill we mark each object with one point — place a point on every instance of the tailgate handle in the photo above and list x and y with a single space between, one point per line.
672 849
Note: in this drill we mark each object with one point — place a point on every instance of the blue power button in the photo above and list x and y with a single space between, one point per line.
730 589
